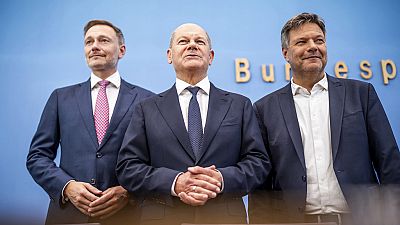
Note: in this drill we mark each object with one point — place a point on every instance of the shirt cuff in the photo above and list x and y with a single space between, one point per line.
173 185
222 180
65 199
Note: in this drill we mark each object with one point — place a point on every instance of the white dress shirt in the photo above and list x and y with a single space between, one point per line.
312 108
202 98
112 91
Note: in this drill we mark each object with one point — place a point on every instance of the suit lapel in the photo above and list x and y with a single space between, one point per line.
126 97
289 114
336 106
168 104
84 100
218 106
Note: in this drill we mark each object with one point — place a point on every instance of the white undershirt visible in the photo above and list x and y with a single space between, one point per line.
323 191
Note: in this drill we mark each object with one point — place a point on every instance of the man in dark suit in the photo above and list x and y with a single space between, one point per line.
194 150
88 120
329 140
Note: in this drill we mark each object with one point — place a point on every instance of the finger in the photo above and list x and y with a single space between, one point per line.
197 169
112 206
198 196
206 185
88 196
208 193
206 171
103 199
208 179
185 198
92 189
212 167
105 212
79 198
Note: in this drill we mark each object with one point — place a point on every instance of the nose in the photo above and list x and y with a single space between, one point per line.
192 45
311 45
95 45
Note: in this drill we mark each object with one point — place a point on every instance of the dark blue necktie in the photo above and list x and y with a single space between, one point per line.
195 129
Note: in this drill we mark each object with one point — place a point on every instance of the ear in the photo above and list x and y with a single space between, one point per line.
285 54
122 51
169 56
211 57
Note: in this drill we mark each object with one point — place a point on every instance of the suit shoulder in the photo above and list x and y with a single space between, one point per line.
144 91
271 96
354 82
69 87
139 89
353 86
233 95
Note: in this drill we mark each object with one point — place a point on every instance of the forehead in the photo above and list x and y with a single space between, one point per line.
100 30
306 30
190 30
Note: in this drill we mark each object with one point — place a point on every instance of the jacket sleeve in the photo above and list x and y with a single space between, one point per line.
253 166
383 147
43 150
134 170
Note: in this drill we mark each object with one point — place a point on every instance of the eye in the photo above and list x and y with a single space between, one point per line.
183 42
104 40
300 42
320 41
88 42
201 42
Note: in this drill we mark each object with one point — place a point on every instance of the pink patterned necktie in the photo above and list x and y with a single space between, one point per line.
101 112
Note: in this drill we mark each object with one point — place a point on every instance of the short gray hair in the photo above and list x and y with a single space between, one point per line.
297 21
173 36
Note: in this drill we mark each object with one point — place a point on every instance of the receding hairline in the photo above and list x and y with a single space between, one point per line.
185 25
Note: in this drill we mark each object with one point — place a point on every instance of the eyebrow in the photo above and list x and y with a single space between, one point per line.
100 36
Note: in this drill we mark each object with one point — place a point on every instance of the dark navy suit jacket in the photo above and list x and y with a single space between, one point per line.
364 150
67 120
156 148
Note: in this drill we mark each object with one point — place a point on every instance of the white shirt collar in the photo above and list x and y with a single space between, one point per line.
203 84
323 84
115 79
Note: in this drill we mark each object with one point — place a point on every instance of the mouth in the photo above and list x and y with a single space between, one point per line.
192 56
312 57
95 55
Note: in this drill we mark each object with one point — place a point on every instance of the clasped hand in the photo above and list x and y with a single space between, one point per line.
95 203
199 184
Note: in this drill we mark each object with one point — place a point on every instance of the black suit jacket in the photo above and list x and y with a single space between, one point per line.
156 148
364 150
67 121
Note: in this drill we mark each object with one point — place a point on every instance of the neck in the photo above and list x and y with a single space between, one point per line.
307 80
191 78
102 74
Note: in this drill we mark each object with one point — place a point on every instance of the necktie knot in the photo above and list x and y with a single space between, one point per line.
104 83
193 90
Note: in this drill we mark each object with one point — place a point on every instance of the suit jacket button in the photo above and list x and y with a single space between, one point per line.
99 155
304 178
92 181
